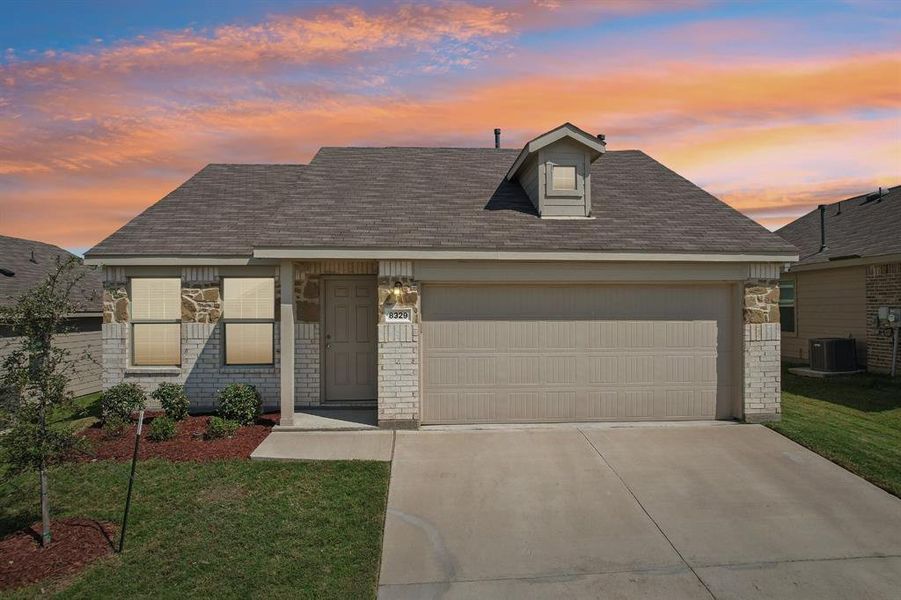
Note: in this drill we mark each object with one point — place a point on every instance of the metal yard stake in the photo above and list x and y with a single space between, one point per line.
131 480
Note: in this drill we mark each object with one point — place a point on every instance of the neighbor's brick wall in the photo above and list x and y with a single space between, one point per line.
398 350
883 285
761 353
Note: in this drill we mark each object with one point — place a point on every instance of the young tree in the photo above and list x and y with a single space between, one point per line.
34 379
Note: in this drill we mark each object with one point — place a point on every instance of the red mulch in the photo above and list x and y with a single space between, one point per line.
188 444
75 544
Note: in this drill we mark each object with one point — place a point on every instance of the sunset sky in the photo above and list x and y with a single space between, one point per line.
105 107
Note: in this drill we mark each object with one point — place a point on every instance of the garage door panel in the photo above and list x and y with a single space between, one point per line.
687 403
559 369
522 370
523 335
530 353
689 369
558 335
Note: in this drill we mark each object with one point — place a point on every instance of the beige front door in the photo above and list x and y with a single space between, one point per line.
532 353
349 326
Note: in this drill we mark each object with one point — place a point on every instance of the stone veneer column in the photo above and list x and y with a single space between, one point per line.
762 386
398 349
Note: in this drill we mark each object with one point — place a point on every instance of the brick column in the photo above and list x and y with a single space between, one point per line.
762 385
883 289
398 349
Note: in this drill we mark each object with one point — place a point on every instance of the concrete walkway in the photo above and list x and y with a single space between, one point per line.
326 445
652 512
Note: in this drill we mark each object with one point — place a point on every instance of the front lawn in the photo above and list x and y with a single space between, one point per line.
853 421
227 529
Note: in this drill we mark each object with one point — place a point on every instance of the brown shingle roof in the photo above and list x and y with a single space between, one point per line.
31 261
859 228
431 198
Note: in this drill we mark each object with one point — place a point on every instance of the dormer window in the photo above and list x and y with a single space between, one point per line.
554 170
564 177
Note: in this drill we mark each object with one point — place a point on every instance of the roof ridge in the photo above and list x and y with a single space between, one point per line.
889 189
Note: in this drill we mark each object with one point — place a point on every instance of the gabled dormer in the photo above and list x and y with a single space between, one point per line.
555 171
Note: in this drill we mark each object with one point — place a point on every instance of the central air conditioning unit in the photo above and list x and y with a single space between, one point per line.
833 354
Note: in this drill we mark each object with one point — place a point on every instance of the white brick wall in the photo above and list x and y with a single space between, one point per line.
762 375
306 364
202 372
398 365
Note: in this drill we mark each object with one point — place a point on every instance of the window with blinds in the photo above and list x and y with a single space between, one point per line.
564 177
156 321
248 309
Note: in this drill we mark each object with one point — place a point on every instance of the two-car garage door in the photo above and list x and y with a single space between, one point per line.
533 353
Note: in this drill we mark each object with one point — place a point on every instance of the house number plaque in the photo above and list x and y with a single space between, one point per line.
398 315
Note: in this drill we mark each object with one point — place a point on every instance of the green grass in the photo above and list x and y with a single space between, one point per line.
853 421
83 412
227 529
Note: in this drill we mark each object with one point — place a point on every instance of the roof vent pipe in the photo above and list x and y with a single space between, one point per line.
822 227
497 138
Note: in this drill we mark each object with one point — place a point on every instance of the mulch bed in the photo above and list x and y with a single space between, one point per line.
188 444
75 544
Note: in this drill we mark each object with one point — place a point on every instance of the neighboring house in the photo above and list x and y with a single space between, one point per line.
29 262
559 282
850 265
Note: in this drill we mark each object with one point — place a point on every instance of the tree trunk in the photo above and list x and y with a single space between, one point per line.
45 509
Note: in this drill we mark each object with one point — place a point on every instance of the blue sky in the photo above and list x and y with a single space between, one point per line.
772 106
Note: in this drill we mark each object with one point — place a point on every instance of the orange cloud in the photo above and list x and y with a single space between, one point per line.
284 39
87 144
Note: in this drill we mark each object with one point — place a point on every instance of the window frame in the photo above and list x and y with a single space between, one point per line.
793 281
226 321
133 321
567 160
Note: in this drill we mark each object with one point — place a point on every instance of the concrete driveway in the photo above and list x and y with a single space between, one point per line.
729 511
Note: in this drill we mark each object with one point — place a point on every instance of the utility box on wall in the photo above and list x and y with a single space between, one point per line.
833 354
889 316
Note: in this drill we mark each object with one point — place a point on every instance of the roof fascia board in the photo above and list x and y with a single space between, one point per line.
166 261
566 130
851 262
443 254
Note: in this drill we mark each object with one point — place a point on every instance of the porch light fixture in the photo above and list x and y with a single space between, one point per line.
397 289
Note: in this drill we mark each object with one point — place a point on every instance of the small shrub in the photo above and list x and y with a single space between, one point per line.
239 402
120 401
218 428
115 426
161 429
173 399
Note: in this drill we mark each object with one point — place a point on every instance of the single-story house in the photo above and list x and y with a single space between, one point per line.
24 264
850 265
556 282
